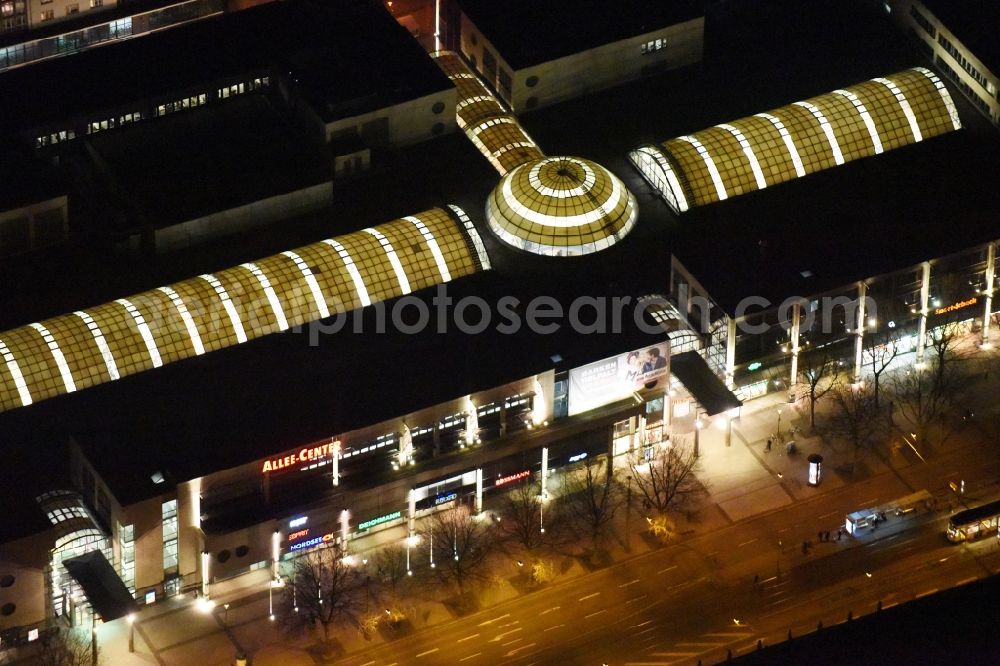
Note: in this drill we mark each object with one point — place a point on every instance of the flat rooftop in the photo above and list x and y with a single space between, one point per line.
975 22
344 58
36 180
530 32
192 164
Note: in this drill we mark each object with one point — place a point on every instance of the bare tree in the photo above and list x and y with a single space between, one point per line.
591 497
922 396
857 418
520 516
666 478
878 357
389 563
68 647
462 543
820 373
326 589
944 346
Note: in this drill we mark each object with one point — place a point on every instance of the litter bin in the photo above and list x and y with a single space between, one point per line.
241 659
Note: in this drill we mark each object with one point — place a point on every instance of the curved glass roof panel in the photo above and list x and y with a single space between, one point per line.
561 206
222 309
488 124
798 139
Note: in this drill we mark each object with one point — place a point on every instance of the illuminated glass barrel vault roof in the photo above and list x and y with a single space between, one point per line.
211 312
491 128
802 138
561 206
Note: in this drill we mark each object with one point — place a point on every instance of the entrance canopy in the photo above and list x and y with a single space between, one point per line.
104 589
704 385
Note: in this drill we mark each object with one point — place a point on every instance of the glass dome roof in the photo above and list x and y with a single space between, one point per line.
561 206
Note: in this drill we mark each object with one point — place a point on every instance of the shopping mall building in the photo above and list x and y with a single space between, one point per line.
198 430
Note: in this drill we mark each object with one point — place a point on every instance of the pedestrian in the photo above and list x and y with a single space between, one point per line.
769 442
819 536
828 535
755 579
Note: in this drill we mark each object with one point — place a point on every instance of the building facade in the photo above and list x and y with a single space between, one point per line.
942 43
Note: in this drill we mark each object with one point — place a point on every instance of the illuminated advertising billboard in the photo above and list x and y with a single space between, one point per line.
615 378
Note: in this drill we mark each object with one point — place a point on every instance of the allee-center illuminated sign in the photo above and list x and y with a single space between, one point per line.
304 455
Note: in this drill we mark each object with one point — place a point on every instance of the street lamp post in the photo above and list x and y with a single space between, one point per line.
131 631
779 423
628 515
93 637
697 435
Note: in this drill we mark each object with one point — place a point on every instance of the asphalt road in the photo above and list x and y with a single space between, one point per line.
696 600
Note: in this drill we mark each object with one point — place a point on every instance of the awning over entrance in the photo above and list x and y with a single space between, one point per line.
704 385
104 589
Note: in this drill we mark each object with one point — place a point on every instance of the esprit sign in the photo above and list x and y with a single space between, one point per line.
304 455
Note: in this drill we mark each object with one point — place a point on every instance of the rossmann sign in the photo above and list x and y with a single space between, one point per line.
303 456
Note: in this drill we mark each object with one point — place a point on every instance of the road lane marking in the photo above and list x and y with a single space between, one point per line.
424 654
645 631
667 569
516 650
368 663
554 608
516 640
924 594
589 596
733 635
631 582
467 638
471 656
641 624
687 644
966 580
587 617
672 654
554 626
498 637
641 596
483 624
827 515
746 543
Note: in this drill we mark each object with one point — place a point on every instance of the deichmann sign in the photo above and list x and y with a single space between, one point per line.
597 384
513 477
305 455
381 519
956 306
